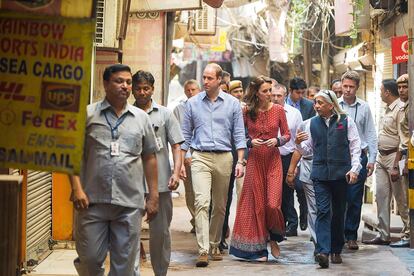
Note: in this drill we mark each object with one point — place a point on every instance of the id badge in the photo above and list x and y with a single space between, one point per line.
159 142
114 149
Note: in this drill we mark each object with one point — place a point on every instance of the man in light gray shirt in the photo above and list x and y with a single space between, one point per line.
360 112
167 131
119 148
191 88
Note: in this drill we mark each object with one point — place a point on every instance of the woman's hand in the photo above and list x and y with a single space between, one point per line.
270 142
257 142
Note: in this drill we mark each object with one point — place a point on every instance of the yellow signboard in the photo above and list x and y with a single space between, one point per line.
45 65
66 8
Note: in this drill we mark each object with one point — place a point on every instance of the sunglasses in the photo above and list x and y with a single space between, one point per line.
327 93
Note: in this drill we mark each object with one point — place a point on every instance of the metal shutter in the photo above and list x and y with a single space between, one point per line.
39 215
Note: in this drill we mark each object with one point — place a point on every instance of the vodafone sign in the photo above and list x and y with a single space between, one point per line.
399 49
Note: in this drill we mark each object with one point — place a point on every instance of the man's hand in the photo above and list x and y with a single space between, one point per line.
174 182
183 173
395 174
187 161
151 207
370 168
351 177
257 142
290 179
239 170
301 136
270 142
80 199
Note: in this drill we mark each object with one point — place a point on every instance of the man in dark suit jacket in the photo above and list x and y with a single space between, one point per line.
297 91
296 98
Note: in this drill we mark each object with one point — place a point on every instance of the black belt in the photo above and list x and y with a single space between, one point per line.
212 151
387 152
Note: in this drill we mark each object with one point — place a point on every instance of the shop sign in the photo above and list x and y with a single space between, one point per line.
66 8
399 49
45 68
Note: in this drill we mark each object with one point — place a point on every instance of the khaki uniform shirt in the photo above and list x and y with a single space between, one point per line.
388 137
117 179
404 131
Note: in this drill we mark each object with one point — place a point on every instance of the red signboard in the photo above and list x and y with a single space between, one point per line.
399 49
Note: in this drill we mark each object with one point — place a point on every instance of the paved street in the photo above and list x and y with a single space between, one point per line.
296 258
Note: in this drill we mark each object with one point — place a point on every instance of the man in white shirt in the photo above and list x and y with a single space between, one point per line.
294 119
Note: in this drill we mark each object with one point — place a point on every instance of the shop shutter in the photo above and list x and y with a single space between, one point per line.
39 215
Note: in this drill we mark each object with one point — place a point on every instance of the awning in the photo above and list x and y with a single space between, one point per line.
355 58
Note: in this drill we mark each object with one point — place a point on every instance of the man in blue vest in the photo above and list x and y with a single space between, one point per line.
336 148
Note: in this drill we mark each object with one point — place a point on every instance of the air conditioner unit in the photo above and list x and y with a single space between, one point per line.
204 21
109 15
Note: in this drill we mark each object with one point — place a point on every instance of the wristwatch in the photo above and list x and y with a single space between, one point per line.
243 163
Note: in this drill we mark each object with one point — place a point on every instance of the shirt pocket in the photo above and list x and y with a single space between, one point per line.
131 143
98 136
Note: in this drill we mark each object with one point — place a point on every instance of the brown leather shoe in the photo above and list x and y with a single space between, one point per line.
323 260
216 255
377 241
336 258
202 260
352 245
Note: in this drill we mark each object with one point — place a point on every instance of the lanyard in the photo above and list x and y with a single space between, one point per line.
114 130
356 110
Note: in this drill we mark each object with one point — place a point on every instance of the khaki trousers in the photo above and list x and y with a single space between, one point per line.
189 194
384 191
210 173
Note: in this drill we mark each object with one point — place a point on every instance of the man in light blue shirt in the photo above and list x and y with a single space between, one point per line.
212 121
360 112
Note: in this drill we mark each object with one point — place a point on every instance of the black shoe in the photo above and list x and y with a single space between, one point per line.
303 223
291 233
223 246
377 241
323 260
400 244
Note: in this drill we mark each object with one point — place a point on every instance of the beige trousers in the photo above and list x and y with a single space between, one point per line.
210 174
189 194
384 191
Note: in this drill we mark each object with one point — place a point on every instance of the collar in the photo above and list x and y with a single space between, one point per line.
154 106
106 105
291 102
341 101
394 104
221 95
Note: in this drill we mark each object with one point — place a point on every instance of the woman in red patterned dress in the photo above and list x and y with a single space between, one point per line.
259 216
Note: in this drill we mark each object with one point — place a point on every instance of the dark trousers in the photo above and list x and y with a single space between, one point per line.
288 205
300 194
330 202
355 193
229 196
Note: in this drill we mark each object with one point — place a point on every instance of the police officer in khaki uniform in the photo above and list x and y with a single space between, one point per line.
387 184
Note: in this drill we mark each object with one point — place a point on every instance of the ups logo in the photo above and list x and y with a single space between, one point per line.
59 96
